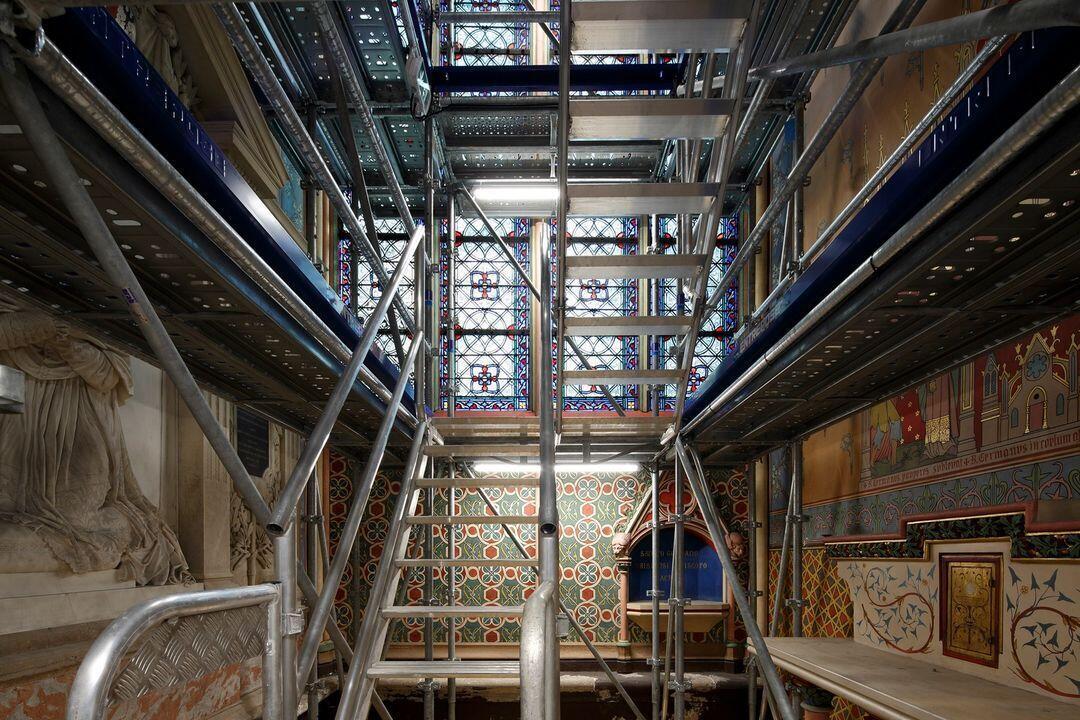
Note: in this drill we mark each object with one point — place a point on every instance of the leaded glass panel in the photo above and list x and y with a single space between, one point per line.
596 236
491 322
715 337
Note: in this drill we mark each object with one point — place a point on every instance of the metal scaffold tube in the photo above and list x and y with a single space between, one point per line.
796 539
619 686
312 518
320 612
960 85
677 601
654 590
524 275
451 592
901 17
718 536
451 306
320 434
51 151
68 83
723 151
291 618
256 63
535 700
359 688
1007 19
548 532
350 79
1047 111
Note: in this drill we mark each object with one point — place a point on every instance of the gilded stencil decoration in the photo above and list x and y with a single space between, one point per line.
970 618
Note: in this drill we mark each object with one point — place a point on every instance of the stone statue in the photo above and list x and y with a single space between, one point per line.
619 541
69 501
736 545
154 33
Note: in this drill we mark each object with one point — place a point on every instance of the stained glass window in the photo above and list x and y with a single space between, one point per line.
475 44
392 241
491 320
715 336
596 236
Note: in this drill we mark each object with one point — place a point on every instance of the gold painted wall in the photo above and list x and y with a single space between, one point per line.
905 88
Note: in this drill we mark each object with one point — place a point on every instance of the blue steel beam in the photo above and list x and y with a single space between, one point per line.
545 78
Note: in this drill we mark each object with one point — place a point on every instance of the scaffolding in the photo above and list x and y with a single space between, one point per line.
291 667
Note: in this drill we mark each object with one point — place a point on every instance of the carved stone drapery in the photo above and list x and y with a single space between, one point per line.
69 500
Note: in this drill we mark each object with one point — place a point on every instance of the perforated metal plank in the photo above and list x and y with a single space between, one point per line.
633 266
635 118
640 198
657 25
634 325
228 340
1002 264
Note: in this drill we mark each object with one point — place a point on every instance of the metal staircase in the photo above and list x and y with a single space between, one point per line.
384 604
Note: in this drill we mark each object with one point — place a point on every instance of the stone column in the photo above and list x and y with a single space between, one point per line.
761 539
622 566
205 494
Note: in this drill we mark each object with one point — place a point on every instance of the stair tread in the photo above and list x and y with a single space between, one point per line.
472 519
483 450
628 325
639 198
466 562
647 118
443 668
467 482
453 610
634 266
621 377
657 25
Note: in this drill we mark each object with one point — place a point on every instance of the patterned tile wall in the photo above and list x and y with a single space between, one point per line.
829 610
592 507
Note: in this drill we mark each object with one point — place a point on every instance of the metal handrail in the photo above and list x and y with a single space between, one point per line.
88 698
282 512
717 534
539 613
320 613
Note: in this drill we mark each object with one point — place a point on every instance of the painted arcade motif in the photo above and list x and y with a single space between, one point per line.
1003 399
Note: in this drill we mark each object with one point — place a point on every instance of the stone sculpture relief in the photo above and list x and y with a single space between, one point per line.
251 554
69 501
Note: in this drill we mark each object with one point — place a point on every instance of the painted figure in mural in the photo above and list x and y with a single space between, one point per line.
885 432
69 501
937 401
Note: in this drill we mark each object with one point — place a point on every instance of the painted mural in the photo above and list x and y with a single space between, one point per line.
1019 400
1044 628
1000 430
214 695
898 608
893 608
903 91
828 612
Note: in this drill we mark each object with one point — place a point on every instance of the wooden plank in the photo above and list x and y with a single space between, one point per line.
899 687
